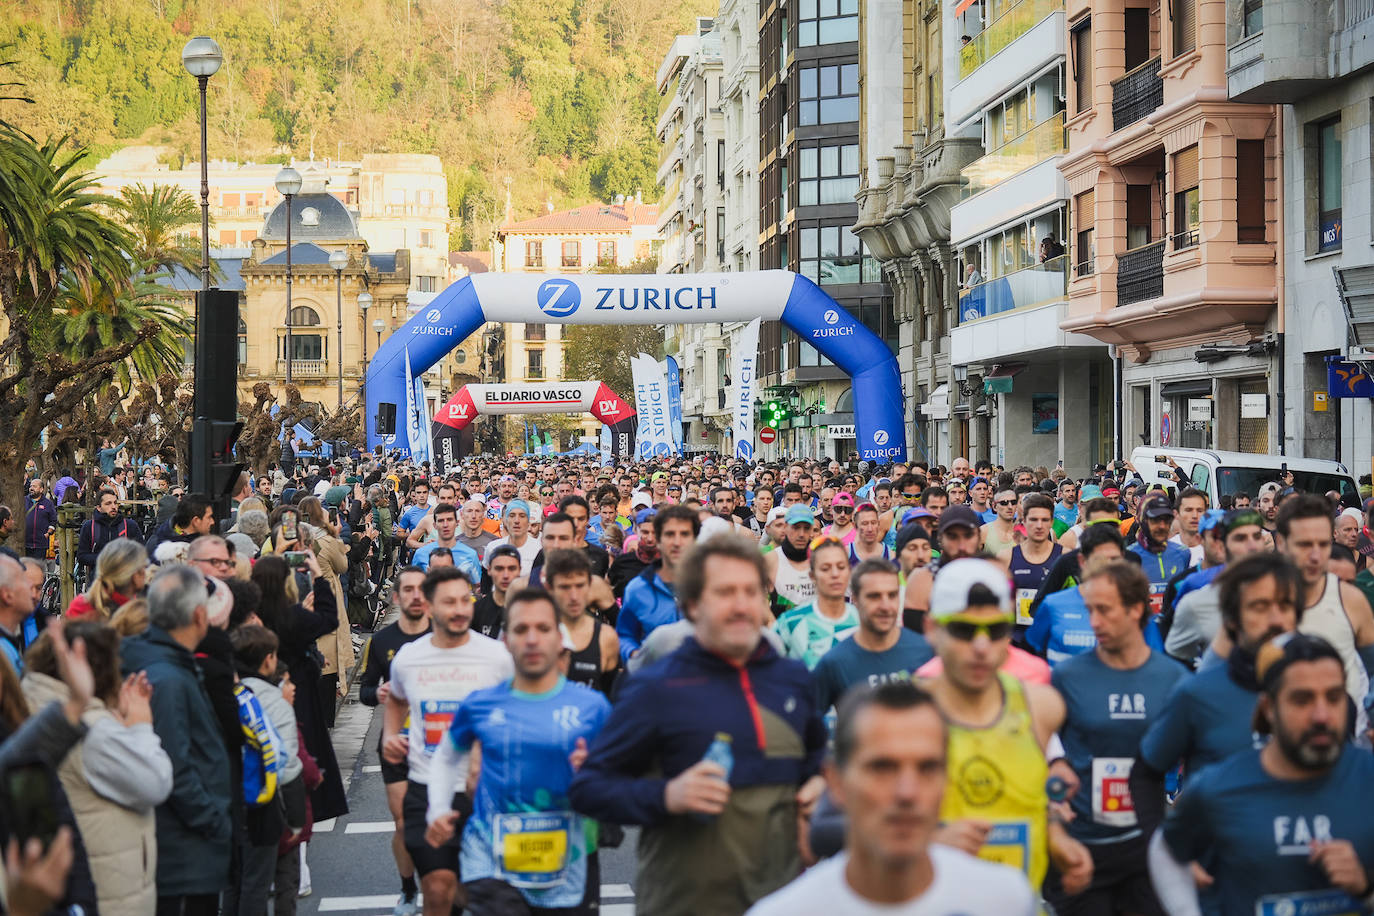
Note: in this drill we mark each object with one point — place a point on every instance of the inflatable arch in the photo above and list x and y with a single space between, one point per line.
473 401
774 295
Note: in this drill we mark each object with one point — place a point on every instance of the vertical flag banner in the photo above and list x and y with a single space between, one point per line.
419 449
745 359
674 377
604 443
651 384
412 418
644 447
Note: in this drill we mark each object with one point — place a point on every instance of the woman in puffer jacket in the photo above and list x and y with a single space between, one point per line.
116 776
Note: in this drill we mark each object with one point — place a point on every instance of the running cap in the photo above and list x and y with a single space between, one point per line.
799 515
959 517
645 515
1211 519
842 499
1157 507
911 532
953 583
776 513
516 505
1091 491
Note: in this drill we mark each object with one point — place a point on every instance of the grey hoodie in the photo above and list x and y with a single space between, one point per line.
283 716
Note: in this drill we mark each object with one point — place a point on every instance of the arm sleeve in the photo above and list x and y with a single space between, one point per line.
190 801
105 757
371 678
1172 879
443 777
85 552
627 625
609 786
1168 736
45 737
1147 793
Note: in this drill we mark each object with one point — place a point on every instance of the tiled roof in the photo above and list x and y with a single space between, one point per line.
476 262
589 218
188 281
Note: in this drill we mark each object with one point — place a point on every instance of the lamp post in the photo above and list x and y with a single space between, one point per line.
202 58
288 186
339 260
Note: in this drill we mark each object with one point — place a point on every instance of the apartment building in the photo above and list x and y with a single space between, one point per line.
1313 61
1174 223
738 24
809 166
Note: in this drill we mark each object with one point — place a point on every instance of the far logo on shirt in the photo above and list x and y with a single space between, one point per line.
1293 836
1126 705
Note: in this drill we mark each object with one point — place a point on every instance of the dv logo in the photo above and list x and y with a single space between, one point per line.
831 316
880 437
458 411
607 409
432 316
559 298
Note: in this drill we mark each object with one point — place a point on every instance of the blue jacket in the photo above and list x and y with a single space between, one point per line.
649 603
1160 567
39 516
194 829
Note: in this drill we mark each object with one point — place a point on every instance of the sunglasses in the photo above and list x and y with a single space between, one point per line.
1006 502
911 496
825 540
967 630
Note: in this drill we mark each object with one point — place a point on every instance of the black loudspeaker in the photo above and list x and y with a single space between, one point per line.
386 419
217 368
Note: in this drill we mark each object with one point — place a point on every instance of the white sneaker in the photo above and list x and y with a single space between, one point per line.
406 907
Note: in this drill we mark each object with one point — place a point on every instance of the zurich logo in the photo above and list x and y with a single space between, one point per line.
831 316
880 437
559 298
432 316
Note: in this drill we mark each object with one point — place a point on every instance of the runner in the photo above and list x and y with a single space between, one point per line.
595 648
429 679
471 531
516 521
1066 511
889 772
999 535
1197 615
651 599
913 553
788 571
1029 562
374 686
842 511
445 519
809 632
1278 824
489 614
960 538
523 839
1190 504
1110 695
999 728
1160 559
868 540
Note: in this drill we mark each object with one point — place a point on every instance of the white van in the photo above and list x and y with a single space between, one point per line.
1225 473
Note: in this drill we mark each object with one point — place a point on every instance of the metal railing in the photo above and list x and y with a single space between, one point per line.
1042 141
1140 273
433 211
670 148
534 262
1188 238
305 368
1002 31
1025 288
1137 95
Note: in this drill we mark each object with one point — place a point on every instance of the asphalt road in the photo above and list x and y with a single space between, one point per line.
351 868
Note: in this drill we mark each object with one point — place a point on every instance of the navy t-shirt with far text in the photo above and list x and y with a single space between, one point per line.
1206 719
848 663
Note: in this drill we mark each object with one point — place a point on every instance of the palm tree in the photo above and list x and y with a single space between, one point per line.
90 319
153 216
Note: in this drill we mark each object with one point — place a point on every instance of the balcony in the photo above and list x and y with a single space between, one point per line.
393 211
1137 95
1042 141
1026 288
1002 31
304 368
1140 274
534 262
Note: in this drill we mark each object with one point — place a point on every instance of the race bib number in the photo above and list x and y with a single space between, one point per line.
1024 597
1008 843
532 847
1329 902
1156 599
437 716
1112 804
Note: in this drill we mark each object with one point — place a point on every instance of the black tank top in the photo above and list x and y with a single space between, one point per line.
585 664
1025 574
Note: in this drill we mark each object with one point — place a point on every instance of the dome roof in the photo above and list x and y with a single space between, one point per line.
315 215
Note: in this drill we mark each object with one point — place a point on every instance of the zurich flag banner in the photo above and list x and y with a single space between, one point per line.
604 443
745 360
674 377
412 418
419 448
644 447
651 384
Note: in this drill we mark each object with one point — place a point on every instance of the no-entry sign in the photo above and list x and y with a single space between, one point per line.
768 435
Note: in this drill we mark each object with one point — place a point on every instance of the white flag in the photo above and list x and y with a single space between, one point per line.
745 365
651 403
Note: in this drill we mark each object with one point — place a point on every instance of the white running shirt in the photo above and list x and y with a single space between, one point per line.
435 682
962 885
528 552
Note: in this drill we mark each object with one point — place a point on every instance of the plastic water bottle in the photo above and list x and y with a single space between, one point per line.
1057 789
722 753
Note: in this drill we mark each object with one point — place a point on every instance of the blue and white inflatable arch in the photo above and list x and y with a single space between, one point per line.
774 295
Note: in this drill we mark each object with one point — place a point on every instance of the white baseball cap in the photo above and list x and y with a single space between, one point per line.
950 593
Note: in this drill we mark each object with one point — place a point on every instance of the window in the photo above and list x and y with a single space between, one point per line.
825 22
1250 195
834 254
534 254
1253 17
1081 42
1084 220
829 95
827 175
243 342
1185 25
720 164
534 331
425 197
1186 220
1329 185
227 237
247 235
535 360
426 238
572 254
605 253
1138 221
1137 37
426 284
307 346
253 199
304 317
229 201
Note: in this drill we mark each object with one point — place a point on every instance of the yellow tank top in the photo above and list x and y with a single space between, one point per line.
997 774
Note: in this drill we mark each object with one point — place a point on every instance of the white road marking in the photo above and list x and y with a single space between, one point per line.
348 904
370 827
616 891
373 768
324 826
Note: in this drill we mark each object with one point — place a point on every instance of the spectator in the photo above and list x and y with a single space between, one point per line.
16 604
40 520
193 517
113 800
337 645
121 573
103 527
194 831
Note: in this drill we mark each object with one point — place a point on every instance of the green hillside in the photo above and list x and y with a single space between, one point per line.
556 95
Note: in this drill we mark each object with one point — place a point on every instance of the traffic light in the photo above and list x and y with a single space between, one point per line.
216 472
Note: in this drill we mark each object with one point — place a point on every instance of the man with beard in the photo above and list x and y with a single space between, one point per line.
788 570
1278 824
1207 717
374 687
960 537
631 563
1197 615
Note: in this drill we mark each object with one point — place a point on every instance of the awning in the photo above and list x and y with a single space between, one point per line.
937 408
1195 388
962 5
1356 288
1005 370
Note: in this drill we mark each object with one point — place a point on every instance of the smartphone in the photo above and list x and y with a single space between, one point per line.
295 559
31 803
288 526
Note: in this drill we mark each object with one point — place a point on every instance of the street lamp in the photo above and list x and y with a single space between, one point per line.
202 58
288 186
339 260
365 303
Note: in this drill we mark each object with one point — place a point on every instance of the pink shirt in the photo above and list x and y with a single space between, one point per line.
1020 664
